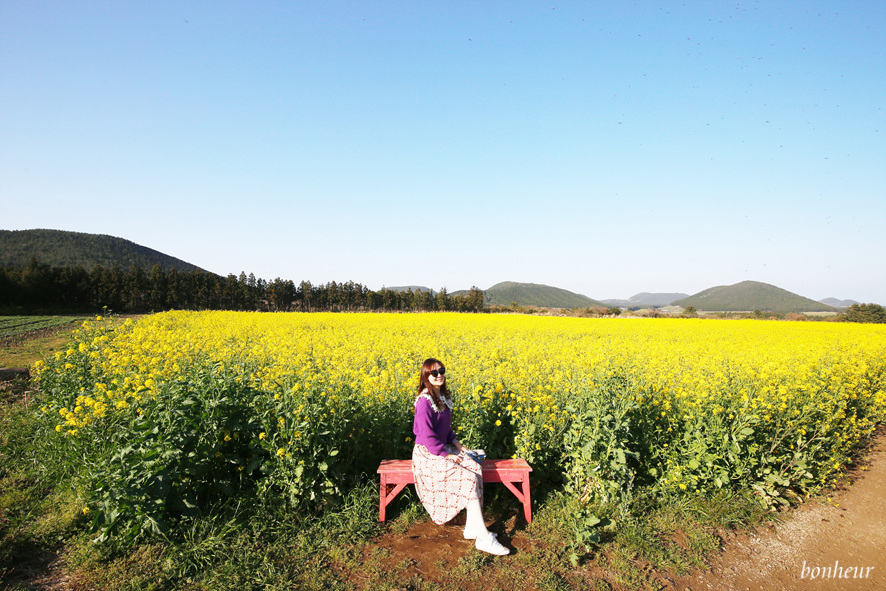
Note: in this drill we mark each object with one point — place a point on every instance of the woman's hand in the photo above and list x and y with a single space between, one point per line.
454 458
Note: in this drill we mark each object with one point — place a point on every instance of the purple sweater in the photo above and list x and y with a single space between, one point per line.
432 429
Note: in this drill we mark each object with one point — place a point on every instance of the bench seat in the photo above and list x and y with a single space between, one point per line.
396 474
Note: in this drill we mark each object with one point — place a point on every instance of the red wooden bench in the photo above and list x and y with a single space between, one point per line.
396 474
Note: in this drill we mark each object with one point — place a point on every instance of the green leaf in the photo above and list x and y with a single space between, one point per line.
591 520
253 464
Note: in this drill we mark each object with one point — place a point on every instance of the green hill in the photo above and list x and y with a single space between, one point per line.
533 294
70 249
748 296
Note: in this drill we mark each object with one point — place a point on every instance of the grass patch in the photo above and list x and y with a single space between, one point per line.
237 548
37 516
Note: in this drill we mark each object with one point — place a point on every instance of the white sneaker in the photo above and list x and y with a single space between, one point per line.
490 545
472 535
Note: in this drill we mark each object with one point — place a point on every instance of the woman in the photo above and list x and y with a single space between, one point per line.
446 478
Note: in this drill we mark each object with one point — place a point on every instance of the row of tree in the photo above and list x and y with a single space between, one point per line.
873 313
44 288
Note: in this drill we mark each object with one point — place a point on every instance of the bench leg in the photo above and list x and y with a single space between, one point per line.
386 497
522 495
382 504
527 504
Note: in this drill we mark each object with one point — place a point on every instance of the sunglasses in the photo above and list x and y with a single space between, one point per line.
440 372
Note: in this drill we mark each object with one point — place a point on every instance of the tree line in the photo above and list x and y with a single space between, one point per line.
872 313
42 288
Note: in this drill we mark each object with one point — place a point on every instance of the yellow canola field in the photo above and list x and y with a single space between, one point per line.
522 375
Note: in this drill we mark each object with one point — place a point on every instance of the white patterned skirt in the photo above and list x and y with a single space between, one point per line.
444 487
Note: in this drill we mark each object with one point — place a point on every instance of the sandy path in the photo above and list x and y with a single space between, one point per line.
850 531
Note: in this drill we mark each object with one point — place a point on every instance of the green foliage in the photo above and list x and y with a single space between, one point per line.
209 437
484 421
599 460
868 313
187 449
316 454
599 456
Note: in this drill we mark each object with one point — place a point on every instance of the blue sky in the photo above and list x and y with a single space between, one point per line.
607 148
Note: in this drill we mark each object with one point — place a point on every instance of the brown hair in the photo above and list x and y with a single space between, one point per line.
425 384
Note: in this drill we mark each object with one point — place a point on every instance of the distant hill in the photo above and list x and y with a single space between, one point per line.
70 249
751 295
533 294
414 288
646 299
657 299
837 303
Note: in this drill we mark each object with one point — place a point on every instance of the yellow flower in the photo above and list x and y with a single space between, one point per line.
707 372
281 452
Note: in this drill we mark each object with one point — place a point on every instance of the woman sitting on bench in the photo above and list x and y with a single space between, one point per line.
446 478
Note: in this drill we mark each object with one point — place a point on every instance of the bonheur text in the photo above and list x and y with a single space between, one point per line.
835 572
